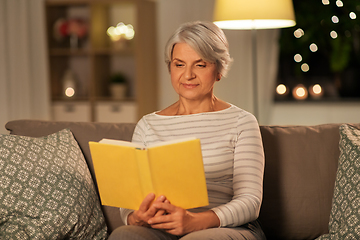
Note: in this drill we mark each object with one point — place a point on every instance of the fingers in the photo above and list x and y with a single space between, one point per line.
166 206
144 206
161 211
157 212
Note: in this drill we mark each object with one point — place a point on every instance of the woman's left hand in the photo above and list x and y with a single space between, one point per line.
176 221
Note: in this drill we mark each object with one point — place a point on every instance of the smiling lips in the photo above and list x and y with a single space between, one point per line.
189 86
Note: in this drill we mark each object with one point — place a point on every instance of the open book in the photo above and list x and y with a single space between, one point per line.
126 172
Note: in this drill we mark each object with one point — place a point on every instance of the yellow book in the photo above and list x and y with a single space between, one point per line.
126 172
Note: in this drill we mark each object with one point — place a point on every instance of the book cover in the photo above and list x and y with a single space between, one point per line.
126 172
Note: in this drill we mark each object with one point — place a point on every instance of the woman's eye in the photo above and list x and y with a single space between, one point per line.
201 65
179 64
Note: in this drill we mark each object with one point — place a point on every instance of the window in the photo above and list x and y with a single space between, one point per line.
320 56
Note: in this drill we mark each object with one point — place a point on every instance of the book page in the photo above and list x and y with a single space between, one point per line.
171 142
120 143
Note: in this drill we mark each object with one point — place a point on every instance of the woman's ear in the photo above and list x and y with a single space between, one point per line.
218 77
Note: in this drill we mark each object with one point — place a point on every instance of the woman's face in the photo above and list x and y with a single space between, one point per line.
192 77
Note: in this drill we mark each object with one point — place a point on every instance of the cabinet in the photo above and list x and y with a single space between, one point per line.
90 61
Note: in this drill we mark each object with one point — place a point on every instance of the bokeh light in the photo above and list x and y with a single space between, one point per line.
298 33
69 92
352 15
313 47
300 92
121 31
305 67
335 19
316 91
298 58
333 34
281 89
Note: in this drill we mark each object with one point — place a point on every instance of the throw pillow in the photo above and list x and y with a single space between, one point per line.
344 220
46 191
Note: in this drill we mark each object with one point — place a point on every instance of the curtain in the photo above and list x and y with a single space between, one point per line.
267 56
24 85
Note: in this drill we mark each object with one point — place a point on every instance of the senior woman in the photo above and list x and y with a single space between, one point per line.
197 55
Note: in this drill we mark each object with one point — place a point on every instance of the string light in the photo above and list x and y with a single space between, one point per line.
316 91
305 67
298 58
300 92
333 34
339 3
352 15
298 33
313 47
325 2
335 19
281 89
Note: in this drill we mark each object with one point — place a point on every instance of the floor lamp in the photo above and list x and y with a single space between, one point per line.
253 15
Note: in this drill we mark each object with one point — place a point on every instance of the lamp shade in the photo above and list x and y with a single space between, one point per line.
254 14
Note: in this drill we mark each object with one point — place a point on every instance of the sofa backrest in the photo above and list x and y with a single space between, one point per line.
300 171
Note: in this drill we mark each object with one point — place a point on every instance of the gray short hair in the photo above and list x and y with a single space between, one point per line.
207 39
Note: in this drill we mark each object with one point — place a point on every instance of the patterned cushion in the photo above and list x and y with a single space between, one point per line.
46 191
345 213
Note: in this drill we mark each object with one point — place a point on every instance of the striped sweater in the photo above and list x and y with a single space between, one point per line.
232 153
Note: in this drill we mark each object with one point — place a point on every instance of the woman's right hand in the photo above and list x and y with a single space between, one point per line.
141 216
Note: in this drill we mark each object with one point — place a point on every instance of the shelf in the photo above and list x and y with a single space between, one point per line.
114 52
68 52
97 58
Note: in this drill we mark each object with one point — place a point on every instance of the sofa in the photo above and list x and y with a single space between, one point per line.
301 165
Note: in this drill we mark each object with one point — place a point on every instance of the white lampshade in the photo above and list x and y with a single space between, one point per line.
254 14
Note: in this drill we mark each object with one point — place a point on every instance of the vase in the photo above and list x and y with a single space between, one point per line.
118 91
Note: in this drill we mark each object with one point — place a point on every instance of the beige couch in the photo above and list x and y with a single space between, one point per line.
300 170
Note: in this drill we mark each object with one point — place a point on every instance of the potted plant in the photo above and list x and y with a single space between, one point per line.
118 86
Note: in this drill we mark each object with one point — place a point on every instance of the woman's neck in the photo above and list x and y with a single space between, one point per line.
186 107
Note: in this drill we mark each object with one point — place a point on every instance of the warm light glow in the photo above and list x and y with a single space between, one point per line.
69 92
281 89
260 14
333 34
313 47
300 92
335 19
305 67
325 2
339 3
352 15
298 58
298 33
121 31
316 91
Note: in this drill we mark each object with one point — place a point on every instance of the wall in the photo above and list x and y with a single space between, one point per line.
305 113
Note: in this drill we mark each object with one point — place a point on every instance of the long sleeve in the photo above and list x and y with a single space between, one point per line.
247 181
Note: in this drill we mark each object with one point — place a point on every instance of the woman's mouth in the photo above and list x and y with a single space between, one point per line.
189 86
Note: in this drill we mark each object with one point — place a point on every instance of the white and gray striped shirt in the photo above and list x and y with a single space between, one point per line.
232 153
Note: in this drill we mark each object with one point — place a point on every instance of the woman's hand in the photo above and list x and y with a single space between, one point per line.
178 221
141 216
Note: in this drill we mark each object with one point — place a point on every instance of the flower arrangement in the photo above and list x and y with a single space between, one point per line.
75 28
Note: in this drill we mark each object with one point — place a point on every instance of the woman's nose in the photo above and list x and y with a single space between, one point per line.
189 73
